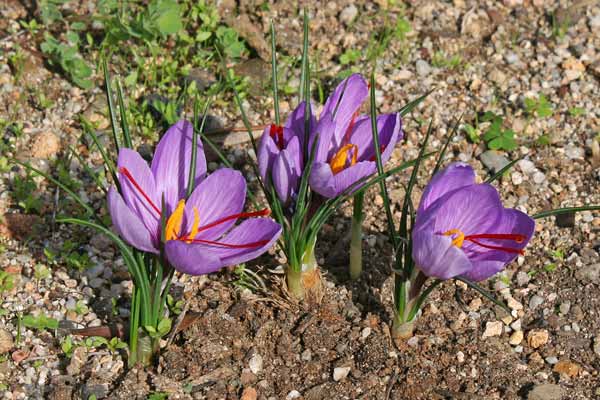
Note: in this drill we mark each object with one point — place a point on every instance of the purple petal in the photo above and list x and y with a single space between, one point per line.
267 152
324 132
487 262
328 185
437 257
286 171
471 209
321 179
345 101
453 177
191 259
171 163
389 127
250 231
128 225
295 122
221 194
147 209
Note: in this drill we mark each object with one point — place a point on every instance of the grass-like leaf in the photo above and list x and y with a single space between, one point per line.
274 74
498 174
440 159
484 293
111 105
87 127
71 194
192 175
123 113
87 169
566 210
411 106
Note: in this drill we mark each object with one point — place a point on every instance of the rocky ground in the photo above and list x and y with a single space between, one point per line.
474 56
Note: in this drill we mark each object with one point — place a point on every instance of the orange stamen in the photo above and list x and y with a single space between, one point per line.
129 177
338 161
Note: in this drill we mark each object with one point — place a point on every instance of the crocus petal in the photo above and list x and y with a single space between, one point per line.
282 176
453 177
389 127
171 163
510 221
143 207
483 269
324 132
328 185
472 209
221 194
128 225
191 259
345 101
321 179
295 123
437 257
250 231
267 152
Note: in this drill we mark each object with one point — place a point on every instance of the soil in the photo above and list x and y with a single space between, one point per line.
262 345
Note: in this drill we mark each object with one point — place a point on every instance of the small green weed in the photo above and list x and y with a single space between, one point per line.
40 322
540 107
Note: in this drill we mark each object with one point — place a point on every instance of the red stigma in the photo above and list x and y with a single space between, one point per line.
262 213
517 238
231 245
276 133
130 178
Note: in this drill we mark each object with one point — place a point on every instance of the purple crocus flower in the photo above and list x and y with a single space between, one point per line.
281 154
346 152
462 228
200 236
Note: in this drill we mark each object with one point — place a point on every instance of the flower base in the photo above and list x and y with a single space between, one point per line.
306 286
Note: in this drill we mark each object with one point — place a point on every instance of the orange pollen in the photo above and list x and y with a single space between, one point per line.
339 160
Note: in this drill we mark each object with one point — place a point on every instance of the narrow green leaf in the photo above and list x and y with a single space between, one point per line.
274 74
304 63
192 175
88 170
422 297
111 105
87 126
440 159
502 170
377 149
123 113
71 194
484 293
566 210
411 106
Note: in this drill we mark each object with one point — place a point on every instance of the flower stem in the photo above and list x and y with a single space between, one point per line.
294 283
356 237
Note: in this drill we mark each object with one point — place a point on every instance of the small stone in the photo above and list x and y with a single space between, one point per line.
566 220
527 166
45 145
492 329
574 153
365 333
597 345
537 338
494 160
413 341
539 177
545 392
516 338
514 304
511 57
475 304
306 355
567 368
249 393
460 356
565 307
591 273
516 178
294 394
340 373
551 360
256 364
6 341
79 357
423 68
535 302
516 325
348 14
522 278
